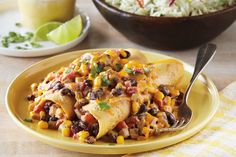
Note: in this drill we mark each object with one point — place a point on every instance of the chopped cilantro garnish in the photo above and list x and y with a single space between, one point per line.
96 69
104 106
105 81
129 71
99 68
118 66
35 45
28 120
14 37
68 71
146 70
21 48
18 24
93 72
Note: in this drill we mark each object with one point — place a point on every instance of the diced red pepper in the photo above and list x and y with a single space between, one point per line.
71 75
159 104
131 90
138 71
38 107
89 118
132 121
121 125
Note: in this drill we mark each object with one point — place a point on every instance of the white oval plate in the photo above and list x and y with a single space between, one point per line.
9 16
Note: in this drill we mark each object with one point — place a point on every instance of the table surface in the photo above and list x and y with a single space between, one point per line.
14 141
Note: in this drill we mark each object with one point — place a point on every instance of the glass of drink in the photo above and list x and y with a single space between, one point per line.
34 13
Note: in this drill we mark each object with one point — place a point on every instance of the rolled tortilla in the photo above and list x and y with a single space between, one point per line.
108 119
167 71
65 102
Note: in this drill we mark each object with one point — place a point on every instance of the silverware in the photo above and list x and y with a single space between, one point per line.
205 54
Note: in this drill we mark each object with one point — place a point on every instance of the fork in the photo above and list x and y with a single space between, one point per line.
205 55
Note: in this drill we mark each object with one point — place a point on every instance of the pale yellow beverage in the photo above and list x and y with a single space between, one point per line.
35 13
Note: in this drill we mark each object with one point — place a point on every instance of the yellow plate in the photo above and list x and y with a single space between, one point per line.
204 101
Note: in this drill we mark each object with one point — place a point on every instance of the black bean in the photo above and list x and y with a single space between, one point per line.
67 91
164 89
58 86
170 118
113 83
78 126
89 83
86 90
30 97
126 56
53 118
117 91
90 140
142 109
45 118
47 106
112 135
94 129
97 94
133 82
153 111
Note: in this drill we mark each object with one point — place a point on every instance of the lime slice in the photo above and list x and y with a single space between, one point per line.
42 31
67 31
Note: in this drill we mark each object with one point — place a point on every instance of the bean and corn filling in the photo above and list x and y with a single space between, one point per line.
98 77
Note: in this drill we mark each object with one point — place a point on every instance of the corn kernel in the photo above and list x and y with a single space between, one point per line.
40 92
78 79
174 92
145 131
149 117
65 132
120 139
67 123
31 107
42 114
124 61
42 124
159 96
83 134
168 100
34 87
135 107
81 139
173 101
97 82
160 114
123 53
83 69
112 53
167 108
90 77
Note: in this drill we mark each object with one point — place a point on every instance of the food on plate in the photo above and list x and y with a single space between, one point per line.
171 8
35 13
110 96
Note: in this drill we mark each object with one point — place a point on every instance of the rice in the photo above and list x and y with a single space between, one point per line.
171 8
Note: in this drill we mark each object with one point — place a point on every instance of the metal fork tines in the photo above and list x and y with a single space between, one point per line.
205 54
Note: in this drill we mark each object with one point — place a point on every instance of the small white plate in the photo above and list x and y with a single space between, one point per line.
9 16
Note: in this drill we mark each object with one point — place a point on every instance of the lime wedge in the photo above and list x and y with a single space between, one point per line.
67 31
41 32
